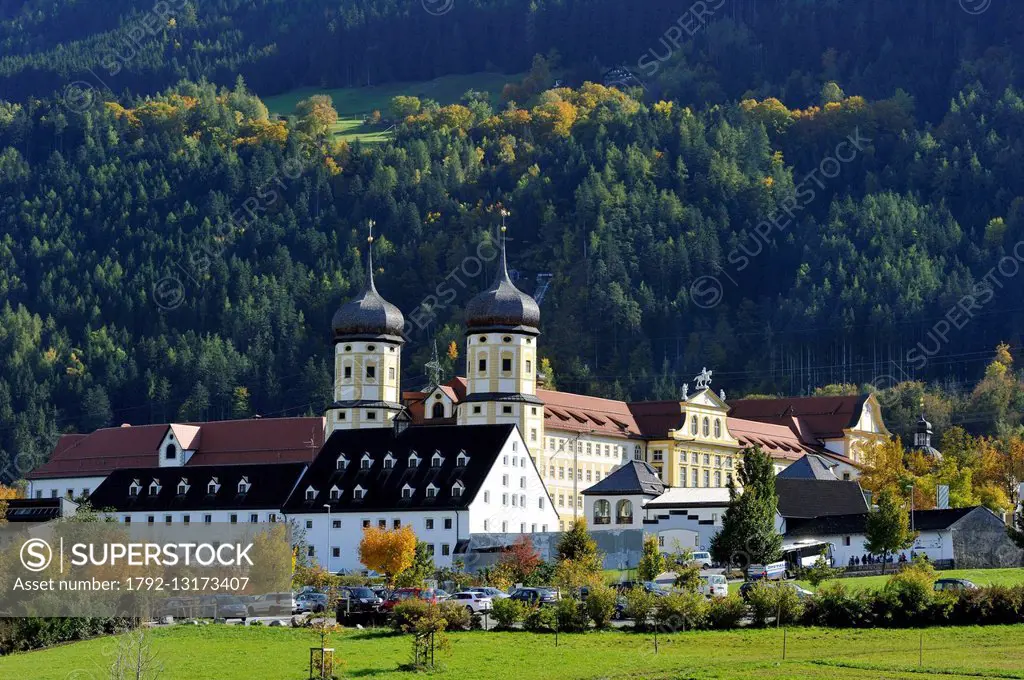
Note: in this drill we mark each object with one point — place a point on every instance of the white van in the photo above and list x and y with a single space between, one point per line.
714 585
701 558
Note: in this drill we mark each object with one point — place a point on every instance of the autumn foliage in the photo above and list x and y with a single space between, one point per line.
388 552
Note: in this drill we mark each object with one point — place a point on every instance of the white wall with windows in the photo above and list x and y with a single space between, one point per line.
63 487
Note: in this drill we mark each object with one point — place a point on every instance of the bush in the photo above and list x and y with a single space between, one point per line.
681 611
541 619
457 616
23 634
601 602
639 605
762 601
508 612
572 615
788 605
834 606
406 613
906 600
725 613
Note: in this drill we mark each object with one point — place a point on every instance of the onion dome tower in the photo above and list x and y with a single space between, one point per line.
368 339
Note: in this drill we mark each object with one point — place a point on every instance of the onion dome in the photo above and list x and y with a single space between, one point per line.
503 305
923 439
368 315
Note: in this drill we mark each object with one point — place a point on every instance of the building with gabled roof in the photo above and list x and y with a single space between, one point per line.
446 482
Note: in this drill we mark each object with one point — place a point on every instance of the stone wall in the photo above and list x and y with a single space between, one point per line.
980 541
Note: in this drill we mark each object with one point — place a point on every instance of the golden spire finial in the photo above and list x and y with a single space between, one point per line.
369 239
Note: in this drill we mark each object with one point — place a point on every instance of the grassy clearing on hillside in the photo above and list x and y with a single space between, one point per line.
353 103
235 652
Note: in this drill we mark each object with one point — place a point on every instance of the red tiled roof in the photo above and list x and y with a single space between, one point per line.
260 440
580 413
656 418
776 440
825 417
104 450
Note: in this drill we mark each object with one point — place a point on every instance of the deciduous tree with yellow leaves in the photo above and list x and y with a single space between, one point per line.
388 552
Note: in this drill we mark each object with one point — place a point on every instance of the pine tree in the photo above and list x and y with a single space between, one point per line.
748 534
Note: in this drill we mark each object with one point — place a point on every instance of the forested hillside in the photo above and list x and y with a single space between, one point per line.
781 48
179 256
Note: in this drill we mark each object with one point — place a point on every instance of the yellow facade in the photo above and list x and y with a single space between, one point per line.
367 373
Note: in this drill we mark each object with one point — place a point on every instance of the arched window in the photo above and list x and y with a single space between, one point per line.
693 425
172 452
602 512
624 512
707 427
437 411
718 428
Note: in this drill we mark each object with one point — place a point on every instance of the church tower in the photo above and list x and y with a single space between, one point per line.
367 359
501 359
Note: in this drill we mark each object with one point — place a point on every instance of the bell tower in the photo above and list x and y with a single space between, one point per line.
367 358
502 357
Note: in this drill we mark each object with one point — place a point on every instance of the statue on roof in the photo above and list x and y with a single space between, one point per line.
704 379
686 391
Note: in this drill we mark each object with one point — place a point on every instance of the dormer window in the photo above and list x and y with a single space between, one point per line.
154 487
244 485
182 487
358 493
134 488
414 460
310 493
341 463
213 487
431 491
335 493
437 460
407 492
366 463
389 461
457 489
171 452
462 459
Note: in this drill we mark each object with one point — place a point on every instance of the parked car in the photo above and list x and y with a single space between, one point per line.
474 601
271 604
702 558
801 593
401 594
310 601
714 585
955 584
357 602
650 586
223 607
536 596
493 593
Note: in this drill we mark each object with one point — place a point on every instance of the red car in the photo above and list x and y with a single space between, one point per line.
400 594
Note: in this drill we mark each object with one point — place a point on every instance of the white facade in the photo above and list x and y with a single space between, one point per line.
67 487
937 545
511 499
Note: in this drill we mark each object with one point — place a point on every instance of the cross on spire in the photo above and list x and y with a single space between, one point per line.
369 256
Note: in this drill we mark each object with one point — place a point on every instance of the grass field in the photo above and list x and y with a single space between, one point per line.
233 652
983 577
353 103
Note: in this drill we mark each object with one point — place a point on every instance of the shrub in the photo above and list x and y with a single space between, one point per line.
788 605
725 613
762 600
681 611
836 607
639 605
601 602
457 616
406 613
540 619
907 598
572 615
508 612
